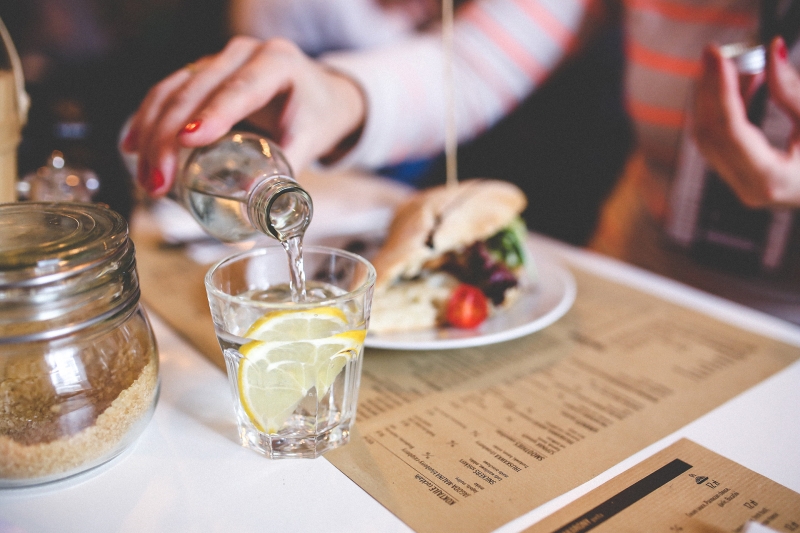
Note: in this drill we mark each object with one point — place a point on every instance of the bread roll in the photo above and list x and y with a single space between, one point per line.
443 219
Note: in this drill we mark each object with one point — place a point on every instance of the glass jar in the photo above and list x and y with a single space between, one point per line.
78 361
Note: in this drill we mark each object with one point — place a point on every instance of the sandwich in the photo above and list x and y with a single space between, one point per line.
453 256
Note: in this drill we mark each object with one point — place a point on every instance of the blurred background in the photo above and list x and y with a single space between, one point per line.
88 64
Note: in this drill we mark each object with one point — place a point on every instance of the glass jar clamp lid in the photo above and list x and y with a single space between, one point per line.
74 341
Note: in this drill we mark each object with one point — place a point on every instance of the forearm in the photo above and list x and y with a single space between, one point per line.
503 49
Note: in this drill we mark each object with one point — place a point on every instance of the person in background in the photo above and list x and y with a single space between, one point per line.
382 105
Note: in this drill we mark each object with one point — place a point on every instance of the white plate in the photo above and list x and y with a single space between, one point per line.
535 309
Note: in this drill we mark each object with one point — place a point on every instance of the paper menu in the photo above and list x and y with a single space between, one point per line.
467 440
684 488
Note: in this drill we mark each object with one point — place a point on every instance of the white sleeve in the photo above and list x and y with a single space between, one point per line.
503 49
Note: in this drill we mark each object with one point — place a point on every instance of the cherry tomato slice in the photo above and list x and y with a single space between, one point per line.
467 307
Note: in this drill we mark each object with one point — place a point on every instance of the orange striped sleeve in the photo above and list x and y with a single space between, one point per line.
698 14
505 94
495 33
657 116
670 64
543 18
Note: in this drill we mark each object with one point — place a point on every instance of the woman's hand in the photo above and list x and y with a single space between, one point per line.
307 108
760 174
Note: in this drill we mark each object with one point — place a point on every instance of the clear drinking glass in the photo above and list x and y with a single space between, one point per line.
294 368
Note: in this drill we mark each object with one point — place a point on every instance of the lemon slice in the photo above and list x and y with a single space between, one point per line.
297 325
327 368
274 376
270 393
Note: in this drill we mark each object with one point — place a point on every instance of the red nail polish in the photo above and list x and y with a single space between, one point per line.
192 126
156 180
783 53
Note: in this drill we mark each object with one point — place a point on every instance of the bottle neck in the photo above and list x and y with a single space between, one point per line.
280 207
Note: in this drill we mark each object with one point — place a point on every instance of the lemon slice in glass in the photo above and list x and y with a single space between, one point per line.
291 325
274 376
270 392
328 363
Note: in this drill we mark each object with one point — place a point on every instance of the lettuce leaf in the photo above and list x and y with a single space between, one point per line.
508 245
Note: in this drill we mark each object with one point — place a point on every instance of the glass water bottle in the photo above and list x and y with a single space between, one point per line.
242 185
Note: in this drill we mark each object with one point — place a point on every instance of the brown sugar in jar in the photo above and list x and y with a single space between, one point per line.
78 361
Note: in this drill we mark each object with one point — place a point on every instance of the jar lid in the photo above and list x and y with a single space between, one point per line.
40 241
63 267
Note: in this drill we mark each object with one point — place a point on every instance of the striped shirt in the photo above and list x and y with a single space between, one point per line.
504 49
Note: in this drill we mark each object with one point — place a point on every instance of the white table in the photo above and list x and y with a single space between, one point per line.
186 472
